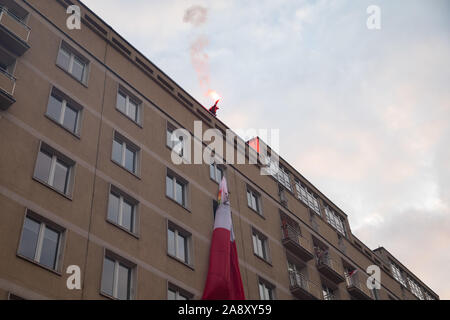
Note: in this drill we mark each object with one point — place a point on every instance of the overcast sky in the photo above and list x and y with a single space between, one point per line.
364 114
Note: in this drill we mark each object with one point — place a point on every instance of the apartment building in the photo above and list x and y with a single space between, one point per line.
87 180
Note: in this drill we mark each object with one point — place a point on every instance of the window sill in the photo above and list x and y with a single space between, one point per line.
57 272
126 116
122 167
176 202
76 135
135 235
45 184
262 259
181 261
257 213
72 76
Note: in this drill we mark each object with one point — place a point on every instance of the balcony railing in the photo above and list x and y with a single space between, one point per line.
17 33
301 287
357 286
7 86
295 242
331 268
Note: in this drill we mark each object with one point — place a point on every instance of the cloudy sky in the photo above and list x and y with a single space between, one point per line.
364 114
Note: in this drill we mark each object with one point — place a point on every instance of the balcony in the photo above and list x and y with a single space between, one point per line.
302 288
14 33
357 287
330 268
7 85
296 243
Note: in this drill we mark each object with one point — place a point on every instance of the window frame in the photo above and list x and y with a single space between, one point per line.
258 201
55 157
170 128
73 55
124 197
126 144
264 240
118 261
176 179
178 292
44 223
129 98
269 287
214 166
66 102
188 244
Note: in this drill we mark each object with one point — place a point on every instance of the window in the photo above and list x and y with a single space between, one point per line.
125 153
173 142
397 274
328 293
72 62
260 245
335 220
415 288
176 293
178 243
266 290
176 188
283 178
53 169
64 112
253 200
122 210
128 105
40 241
117 277
216 172
309 198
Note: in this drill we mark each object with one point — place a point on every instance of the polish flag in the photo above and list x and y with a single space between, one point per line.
224 278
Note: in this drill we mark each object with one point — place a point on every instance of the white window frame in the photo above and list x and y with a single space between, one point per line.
217 168
117 263
51 176
187 241
283 176
257 200
397 274
124 198
179 293
129 99
183 183
267 288
132 147
40 241
335 220
174 144
259 238
64 103
72 56
309 198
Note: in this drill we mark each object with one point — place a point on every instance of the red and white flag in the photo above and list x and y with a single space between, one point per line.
224 278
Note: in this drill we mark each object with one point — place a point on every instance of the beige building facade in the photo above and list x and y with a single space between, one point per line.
87 180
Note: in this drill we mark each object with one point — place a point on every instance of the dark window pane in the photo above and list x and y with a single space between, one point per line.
130 160
219 175
179 197
43 164
171 242
132 111
212 172
63 59
78 69
108 276
117 152
127 216
61 176
70 119
121 102
54 108
49 248
181 250
169 187
171 295
30 236
123 289
113 208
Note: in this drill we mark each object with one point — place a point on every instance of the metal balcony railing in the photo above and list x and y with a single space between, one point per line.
7 82
14 24
359 282
302 246
298 281
330 267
